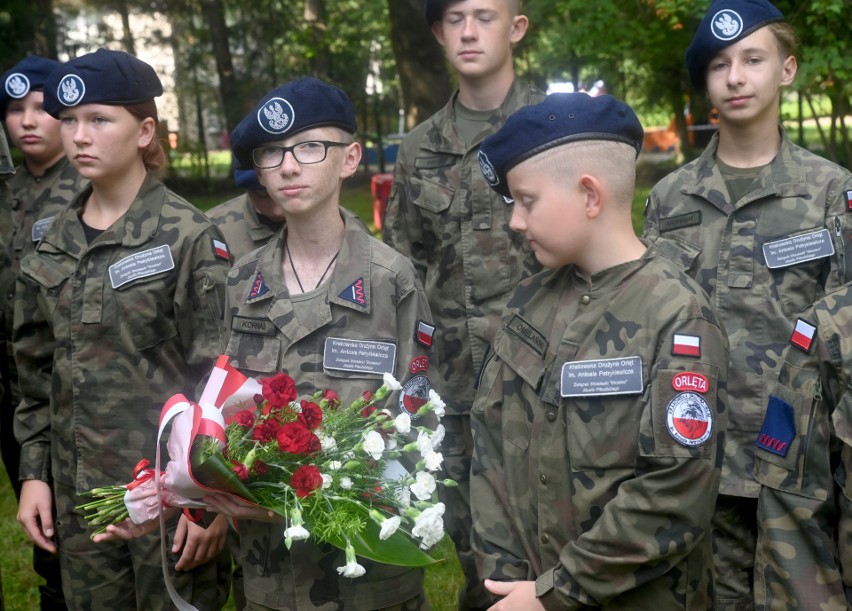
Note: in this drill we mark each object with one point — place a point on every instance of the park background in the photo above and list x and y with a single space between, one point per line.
218 57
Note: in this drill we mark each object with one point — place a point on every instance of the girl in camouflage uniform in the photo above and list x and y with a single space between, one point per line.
118 309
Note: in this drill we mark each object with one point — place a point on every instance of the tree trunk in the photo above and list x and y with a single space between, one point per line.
214 13
315 18
423 74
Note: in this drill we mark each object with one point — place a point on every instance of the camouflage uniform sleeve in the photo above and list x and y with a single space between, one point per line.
401 227
199 302
497 546
657 517
33 345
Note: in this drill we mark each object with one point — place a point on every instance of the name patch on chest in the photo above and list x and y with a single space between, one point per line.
255 326
621 376
356 355
40 226
141 265
798 249
528 334
679 222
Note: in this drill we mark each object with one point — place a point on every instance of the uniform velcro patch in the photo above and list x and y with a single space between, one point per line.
259 288
220 249
355 293
803 335
424 333
779 427
686 345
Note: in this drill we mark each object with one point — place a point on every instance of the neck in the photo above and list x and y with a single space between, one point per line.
486 93
38 167
612 249
312 246
110 199
749 146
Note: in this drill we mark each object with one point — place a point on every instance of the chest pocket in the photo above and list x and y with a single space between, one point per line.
679 251
254 352
144 314
522 380
49 276
428 187
601 432
802 466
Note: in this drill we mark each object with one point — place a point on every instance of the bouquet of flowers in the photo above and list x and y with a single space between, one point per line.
355 476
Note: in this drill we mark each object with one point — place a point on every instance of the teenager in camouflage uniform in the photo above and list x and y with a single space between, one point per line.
599 422
320 282
803 461
443 216
119 308
43 185
764 227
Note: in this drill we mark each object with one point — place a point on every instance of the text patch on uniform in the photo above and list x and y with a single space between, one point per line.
362 356
622 376
141 265
798 249
679 222
779 427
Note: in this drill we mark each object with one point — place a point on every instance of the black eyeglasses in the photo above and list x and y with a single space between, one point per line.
312 151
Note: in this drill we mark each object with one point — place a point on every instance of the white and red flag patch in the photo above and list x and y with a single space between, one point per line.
803 335
686 345
424 333
221 249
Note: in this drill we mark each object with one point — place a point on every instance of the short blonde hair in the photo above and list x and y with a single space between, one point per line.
613 163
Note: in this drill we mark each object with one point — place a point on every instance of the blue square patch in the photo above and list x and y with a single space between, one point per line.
779 427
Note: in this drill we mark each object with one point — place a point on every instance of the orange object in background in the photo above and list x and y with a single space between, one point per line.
380 186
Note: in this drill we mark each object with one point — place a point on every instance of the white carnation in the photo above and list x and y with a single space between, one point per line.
424 485
374 444
403 423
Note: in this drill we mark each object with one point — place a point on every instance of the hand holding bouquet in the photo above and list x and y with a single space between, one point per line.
333 472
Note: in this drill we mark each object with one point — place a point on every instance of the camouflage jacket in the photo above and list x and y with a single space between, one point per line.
455 229
106 332
724 245
35 201
373 295
241 225
598 432
7 274
803 460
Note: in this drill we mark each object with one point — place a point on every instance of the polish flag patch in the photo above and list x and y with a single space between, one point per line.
849 200
424 333
686 345
803 335
220 249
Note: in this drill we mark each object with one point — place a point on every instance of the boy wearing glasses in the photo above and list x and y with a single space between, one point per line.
320 284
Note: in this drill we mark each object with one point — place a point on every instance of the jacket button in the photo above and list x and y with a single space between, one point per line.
545 539
585 300
550 415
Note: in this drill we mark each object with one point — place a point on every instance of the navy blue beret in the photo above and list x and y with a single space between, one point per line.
102 77
247 179
726 22
27 75
561 118
289 109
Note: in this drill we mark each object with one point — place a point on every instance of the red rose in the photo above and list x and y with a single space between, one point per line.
260 468
368 395
295 438
265 432
305 480
311 415
278 390
332 397
241 471
245 418
368 411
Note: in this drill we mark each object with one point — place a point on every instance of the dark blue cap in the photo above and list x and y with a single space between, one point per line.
726 22
561 118
247 179
102 77
289 109
27 75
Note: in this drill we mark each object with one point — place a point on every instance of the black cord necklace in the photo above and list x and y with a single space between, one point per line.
295 273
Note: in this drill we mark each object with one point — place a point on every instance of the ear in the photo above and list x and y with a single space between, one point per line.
351 160
788 70
592 189
520 23
147 131
438 32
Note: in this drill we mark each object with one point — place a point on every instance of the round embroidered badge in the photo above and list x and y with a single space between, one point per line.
276 116
414 394
689 419
17 85
726 24
71 90
488 170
